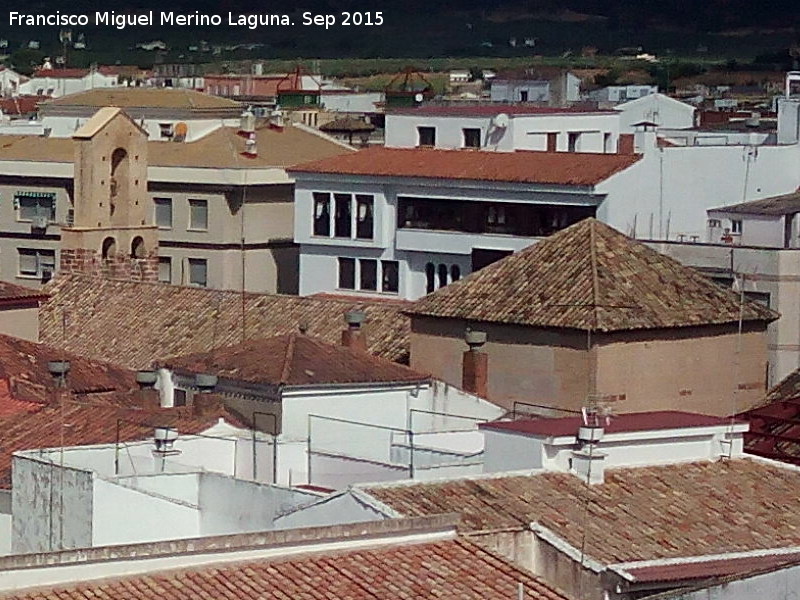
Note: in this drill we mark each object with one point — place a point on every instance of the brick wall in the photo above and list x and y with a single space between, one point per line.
116 266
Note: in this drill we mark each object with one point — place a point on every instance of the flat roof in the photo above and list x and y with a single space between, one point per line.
643 421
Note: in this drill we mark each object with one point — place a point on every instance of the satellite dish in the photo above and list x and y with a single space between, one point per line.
418 98
501 121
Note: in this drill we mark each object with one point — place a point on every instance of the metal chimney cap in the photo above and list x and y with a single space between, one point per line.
205 381
475 339
58 368
355 317
146 378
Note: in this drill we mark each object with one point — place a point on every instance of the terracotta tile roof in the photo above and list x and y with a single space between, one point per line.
294 359
24 365
591 277
132 97
447 569
684 570
21 105
776 206
221 148
11 405
642 513
643 421
13 293
61 73
133 324
522 166
95 421
496 108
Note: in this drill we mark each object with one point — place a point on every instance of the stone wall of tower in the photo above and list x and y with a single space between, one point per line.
112 235
115 266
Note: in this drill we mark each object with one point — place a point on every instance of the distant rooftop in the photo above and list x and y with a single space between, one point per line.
495 108
141 97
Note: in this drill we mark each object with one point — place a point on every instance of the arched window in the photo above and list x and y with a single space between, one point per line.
109 247
137 247
118 185
455 273
442 275
430 278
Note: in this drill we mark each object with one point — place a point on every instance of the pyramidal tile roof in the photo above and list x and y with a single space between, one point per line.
294 359
590 277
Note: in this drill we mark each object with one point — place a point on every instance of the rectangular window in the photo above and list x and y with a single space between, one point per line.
347 273
342 222
163 212
165 269
389 276
523 95
33 205
198 272
364 217
179 398
472 138
36 262
198 216
426 136
368 276
607 148
572 141
552 141
166 130
736 226
322 214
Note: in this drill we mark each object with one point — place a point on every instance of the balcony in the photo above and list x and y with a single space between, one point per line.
457 242
455 226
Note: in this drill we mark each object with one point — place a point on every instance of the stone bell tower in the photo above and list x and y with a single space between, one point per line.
111 235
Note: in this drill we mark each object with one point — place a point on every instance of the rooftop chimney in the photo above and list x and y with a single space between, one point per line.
353 337
588 462
475 366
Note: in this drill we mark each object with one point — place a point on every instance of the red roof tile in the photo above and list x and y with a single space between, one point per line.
643 421
447 569
294 360
590 277
21 105
25 365
556 168
62 73
148 321
13 293
641 513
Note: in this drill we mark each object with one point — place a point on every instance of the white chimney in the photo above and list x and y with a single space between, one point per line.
588 462
247 122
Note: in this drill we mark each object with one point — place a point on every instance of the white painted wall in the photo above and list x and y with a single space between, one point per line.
524 132
673 187
413 249
346 507
353 102
628 449
62 86
145 517
655 108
